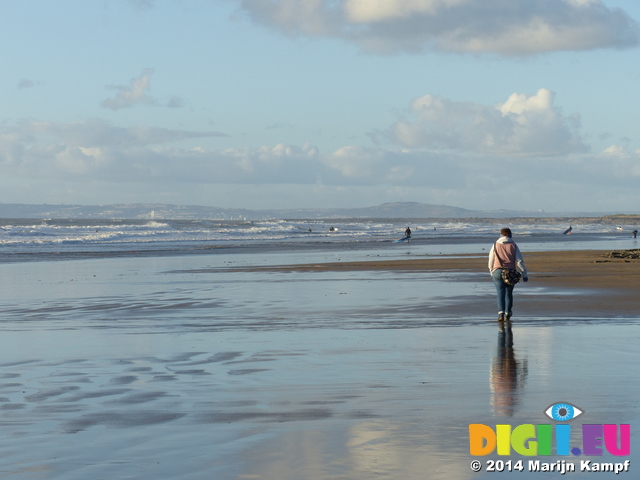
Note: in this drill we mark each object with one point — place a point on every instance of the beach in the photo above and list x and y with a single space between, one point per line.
305 365
607 286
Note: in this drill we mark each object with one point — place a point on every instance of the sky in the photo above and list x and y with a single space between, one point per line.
481 104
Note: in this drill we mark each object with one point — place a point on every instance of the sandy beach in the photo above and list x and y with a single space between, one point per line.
249 367
576 283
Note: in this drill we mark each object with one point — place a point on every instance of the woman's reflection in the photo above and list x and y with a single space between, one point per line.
507 374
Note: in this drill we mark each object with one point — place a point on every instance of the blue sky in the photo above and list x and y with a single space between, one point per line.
482 104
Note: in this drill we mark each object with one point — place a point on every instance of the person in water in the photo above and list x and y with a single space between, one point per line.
505 254
407 232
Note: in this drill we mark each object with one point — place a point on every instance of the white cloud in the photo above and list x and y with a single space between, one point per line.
523 125
135 93
509 28
78 160
617 151
355 161
267 163
518 103
365 11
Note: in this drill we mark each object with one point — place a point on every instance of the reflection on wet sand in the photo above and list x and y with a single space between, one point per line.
384 450
376 448
508 374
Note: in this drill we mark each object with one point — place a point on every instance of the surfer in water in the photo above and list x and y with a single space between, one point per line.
568 230
407 233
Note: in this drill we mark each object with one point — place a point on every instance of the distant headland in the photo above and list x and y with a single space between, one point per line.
391 211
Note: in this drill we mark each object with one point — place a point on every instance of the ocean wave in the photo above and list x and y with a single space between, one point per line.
21 235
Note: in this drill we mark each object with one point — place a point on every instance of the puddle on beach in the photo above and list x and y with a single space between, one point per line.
151 294
137 373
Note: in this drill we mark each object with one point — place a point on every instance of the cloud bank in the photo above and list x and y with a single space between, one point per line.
96 150
523 125
504 27
88 148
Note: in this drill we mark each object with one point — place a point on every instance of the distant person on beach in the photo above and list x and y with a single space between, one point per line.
505 254
635 233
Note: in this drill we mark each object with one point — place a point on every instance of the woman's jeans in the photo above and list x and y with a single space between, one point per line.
505 292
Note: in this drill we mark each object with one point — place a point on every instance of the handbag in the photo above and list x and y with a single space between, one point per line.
509 275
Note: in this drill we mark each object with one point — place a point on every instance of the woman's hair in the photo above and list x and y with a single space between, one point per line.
506 232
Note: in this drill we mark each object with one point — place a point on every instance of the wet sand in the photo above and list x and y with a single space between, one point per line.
575 283
196 369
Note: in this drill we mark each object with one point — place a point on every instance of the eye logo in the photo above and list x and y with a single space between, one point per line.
563 412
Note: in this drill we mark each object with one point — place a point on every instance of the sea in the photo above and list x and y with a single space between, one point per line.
25 240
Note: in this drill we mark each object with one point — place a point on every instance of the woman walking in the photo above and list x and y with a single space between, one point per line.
505 254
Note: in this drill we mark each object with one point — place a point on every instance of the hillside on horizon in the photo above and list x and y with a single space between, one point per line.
394 210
